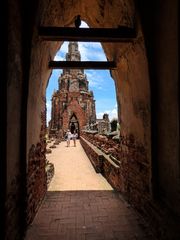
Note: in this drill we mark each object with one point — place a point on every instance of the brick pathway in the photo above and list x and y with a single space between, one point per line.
81 205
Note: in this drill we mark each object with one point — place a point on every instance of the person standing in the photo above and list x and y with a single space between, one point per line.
74 136
68 137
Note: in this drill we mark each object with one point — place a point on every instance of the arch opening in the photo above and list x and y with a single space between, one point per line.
97 84
26 83
132 89
74 124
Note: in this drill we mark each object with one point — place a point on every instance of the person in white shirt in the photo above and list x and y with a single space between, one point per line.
74 136
68 137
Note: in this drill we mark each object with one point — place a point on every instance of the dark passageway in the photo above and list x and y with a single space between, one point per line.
147 89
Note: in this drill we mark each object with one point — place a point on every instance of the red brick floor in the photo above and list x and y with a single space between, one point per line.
85 214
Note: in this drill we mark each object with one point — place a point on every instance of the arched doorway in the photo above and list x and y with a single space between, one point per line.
29 75
74 124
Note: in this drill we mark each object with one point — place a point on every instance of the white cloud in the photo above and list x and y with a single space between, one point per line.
91 51
64 47
99 115
60 55
84 25
111 112
58 58
95 80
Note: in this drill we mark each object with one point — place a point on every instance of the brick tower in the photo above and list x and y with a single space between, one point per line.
73 105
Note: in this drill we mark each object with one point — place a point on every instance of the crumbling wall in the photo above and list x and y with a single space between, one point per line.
36 176
127 171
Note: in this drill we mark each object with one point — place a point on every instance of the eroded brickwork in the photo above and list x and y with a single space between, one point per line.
36 176
73 105
36 179
125 166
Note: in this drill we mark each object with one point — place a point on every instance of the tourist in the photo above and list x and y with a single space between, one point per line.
74 136
68 137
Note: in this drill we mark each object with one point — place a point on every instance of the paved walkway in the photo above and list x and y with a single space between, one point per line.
73 170
81 205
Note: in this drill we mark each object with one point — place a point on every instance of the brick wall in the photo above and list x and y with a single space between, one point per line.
36 175
130 175
127 172
37 186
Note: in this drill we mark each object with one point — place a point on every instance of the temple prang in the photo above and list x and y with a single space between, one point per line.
73 105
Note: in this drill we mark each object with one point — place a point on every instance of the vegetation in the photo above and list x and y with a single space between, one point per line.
113 123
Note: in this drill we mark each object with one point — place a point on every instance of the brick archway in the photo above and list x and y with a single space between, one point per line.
131 83
74 124
138 66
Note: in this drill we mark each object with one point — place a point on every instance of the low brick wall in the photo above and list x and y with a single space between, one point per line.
102 163
94 155
129 174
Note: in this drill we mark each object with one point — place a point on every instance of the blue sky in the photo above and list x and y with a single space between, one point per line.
100 81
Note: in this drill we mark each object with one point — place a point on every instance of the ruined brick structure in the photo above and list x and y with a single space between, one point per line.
73 105
103 125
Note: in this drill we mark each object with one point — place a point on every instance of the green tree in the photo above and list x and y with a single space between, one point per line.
113 124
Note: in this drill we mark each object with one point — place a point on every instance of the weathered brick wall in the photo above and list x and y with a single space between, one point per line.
131 177
36 180
130 173
103 164
136 171
36 176
111 173
16 198
94 155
